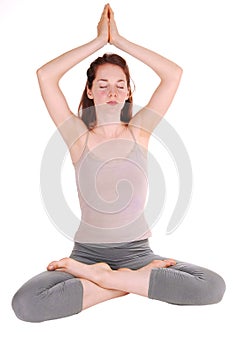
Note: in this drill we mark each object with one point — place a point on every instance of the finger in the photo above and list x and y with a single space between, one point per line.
109 34
105 6
110 11
105 11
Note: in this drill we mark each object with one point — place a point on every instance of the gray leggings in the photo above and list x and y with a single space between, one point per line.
56 294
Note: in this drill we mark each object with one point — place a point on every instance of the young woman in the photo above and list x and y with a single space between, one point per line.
111 255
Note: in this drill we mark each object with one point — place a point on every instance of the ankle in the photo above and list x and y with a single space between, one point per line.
102 274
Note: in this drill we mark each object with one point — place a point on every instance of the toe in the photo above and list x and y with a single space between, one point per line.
171 261
55 265
51 266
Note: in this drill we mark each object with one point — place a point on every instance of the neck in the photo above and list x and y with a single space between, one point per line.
109 124
110 130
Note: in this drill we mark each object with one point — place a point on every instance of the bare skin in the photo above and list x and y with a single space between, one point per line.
124 279
94 294
100 282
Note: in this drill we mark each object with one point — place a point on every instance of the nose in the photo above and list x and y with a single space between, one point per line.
112 92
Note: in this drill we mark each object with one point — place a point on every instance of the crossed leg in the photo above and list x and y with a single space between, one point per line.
181 283
70 286
119 282
93 294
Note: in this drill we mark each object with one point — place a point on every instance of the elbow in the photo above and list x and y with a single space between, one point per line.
175 77
40 73
178 72
45 74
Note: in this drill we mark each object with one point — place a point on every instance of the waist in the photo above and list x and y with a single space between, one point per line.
113 252
93 234
134 245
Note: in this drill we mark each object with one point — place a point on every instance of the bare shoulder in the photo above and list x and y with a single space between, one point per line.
142 136
72 129
144 122
74 132
137 124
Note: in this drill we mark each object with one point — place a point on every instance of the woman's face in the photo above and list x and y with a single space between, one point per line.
109 86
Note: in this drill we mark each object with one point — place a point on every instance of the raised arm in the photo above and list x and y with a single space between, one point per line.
168 72
50 74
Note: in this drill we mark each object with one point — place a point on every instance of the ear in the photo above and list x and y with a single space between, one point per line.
89 94
128 94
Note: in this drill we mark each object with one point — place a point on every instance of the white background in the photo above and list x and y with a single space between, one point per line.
198 36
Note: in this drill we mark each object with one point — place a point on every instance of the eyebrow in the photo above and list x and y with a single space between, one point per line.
118 81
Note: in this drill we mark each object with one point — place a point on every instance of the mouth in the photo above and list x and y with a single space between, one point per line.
112 103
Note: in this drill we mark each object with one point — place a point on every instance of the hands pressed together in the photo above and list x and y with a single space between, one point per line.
107 29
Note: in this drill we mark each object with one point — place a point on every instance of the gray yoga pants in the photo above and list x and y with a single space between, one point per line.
56 294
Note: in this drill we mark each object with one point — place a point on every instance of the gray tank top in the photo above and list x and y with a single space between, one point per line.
112 192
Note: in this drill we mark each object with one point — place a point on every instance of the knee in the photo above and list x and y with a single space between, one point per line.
214 288
22 305
28 302
218 287
47 296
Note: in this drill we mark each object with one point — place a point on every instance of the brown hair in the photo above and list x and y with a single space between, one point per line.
86 105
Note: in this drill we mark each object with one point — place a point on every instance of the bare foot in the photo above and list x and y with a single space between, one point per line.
152 264
92 272
159 264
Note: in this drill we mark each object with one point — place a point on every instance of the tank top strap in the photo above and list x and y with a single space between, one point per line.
132 135
85 145
86 140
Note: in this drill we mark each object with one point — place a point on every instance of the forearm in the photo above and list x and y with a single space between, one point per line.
56 68
163 67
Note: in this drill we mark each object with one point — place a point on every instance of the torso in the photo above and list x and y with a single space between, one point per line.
95 140
112 182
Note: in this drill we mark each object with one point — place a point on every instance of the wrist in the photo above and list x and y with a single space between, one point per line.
117 41
101 41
